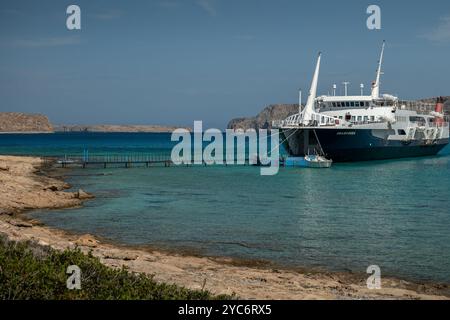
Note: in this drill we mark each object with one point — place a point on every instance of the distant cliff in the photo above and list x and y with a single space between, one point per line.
114 128
24 122
263 120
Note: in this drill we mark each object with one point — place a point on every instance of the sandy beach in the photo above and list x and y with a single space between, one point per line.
24 187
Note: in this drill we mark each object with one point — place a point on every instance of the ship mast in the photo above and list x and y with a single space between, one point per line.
309 108
376 85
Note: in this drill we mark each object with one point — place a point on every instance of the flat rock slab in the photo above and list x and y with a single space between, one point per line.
118 255
19 223
87 240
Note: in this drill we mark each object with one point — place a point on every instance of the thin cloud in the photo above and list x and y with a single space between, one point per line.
441 33
207 6
46 42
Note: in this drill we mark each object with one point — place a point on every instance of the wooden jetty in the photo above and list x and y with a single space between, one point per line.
86 160
109 160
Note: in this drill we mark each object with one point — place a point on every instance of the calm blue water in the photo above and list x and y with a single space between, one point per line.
76 142
391 213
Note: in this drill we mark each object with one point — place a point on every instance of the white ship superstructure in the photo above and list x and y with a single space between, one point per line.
376 126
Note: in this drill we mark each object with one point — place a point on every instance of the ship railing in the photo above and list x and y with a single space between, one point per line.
297 120
277 123
323 120
293 120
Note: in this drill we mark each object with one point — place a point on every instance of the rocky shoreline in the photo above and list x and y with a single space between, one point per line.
24 187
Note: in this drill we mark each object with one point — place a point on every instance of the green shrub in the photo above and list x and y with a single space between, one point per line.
30 271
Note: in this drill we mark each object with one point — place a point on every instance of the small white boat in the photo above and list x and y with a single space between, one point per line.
316 161
308 161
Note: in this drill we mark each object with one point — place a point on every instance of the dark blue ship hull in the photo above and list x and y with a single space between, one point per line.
347 145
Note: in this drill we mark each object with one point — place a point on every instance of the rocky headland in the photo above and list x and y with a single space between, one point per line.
16 122
24 122
263 120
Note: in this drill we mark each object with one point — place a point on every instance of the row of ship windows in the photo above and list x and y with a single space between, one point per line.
351 104
360 104
359 118
372 118
417 119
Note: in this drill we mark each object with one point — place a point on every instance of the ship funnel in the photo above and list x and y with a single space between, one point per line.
376 84
309 108
439 111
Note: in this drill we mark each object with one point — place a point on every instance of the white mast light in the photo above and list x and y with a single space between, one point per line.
299 100
345 83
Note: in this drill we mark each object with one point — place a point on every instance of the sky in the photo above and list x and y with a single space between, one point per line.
171 62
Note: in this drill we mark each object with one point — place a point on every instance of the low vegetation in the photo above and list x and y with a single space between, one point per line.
31 271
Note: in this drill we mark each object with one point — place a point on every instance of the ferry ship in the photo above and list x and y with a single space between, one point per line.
360 128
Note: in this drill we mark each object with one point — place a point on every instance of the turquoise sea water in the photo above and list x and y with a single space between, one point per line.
394 214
